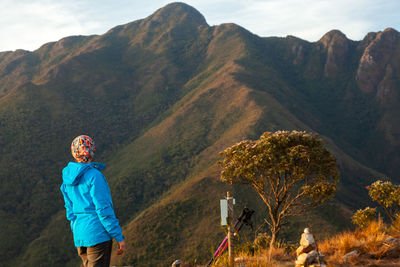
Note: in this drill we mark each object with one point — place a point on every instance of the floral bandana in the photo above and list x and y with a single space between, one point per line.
82 148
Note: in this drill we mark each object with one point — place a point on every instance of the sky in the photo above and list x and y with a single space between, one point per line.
28 24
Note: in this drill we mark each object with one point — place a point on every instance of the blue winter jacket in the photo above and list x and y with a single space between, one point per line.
88 204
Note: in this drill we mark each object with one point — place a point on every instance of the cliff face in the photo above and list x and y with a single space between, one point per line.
378 75
378 70
337 47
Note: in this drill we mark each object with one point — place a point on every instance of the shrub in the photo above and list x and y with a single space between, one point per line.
387 195
262 241
362 218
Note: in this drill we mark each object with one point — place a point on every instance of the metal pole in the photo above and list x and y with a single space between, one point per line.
230 229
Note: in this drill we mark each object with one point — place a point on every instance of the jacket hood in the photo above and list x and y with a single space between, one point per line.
72 173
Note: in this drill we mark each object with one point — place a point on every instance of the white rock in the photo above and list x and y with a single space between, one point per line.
353 253
301 259
306 240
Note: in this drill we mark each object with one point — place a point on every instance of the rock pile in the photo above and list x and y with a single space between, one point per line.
307 253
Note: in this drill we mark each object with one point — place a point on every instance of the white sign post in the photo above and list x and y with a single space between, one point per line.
227 219
224 212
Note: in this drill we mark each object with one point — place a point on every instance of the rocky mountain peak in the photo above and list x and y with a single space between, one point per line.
166 25
177 12
391 31
337 46
367 40
375 70
333 38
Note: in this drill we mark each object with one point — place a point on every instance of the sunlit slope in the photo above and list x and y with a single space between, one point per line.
110 87
162 96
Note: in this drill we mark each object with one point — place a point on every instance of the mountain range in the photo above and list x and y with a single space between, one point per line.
161 97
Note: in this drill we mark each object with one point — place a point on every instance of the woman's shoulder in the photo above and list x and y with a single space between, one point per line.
94 172
97 165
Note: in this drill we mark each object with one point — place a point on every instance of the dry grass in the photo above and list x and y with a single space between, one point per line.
279 258
368 242
371 243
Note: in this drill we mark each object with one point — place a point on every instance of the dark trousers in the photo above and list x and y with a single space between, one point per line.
96 256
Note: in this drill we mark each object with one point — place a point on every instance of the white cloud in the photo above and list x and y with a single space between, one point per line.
28 24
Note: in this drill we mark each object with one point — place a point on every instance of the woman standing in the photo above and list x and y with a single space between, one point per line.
89 207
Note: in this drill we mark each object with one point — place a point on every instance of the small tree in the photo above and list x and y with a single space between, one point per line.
290 171
387 195
362 218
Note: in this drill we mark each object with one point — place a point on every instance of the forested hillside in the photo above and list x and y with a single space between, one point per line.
161 97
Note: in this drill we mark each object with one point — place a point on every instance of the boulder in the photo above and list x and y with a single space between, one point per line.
307 239
351 254
393 245
391 241
177 263
301 259
307 258
302 249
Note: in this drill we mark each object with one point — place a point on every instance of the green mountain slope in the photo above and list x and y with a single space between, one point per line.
161 97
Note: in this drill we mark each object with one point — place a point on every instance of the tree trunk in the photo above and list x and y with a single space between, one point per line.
272 244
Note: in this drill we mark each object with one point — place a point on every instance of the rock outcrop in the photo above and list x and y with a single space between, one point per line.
379 66
337 47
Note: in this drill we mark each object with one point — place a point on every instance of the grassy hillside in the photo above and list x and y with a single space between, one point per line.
161 97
